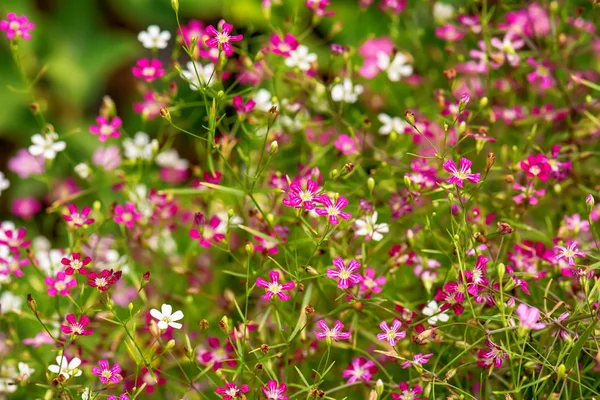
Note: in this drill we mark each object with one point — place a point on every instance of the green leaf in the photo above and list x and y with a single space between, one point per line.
576 351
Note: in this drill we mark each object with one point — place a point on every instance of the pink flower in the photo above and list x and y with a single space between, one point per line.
76 218
26 207
193 32
76 328
60 285
392 6
150 106
39 339
319 7
76 264
13 264
360 369
528 193
24 164
274 288
370 284
148 70
274 391
108 158
569 253
471 21
344 274
462 174
476 279
369 51
508 47
223 38
449 33
123 396
284 46
127 215
529 22
334 334
334 211
213 232
104 280
217 355
537 167
529 317
106 373
231 391
391 334
493 355
16 27
542 75
106 128
420 359
452 296
407 392
300 198
241 107
347 145
15 240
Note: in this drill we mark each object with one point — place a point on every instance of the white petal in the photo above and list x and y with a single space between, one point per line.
176 325
176 316
156 314
54 369
162 325
166 309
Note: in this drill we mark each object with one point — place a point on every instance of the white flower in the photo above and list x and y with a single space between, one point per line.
25 371
202 78
46 146
442 12
50 260
138 148
396 68
170 159
346 91
8 380
65 367
9 302
391 124
83 170
163 241
235 220
86 394
4 183
152 37
166 317
368 226
296 123
300 58
432 310
263 100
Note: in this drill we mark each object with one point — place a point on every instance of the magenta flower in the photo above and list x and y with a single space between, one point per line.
529 317
24 164
231 391
462 174
452 296
60 285
493 355
528 193
217 355
449 33
420 359
333 211
148 70
76 264
15 240
241 107
370 284
347 145
344 274
76 328
25 207
284 46
123 396
302 198
542 75
360 369
12 264
106 128
537 167
274 391
106 373
16 27
77 218
319 7
569 253
222 38
274 288
334 334
391 334
104 280
476 279
214 232
408 393
127 215
150 106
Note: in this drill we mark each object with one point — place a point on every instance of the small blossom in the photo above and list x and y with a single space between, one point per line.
391 334
391 124
214 232
418 359
408 393
60 285
529 317
123 396
435 314
537 167
107 158
77 218
199 75
4 183
300 58
345 275
77 328
347 145
223 38
569 253
76 264
231 391
396 68
274 391
154 38
104 280
274 288
65 367
346 91
106 128
368 227
140 148
462 174
302 198
26 207
493 355
360 369
166 317
333 211
370 284
241 107
284 46
25 165
127 215
334 334
106 373
46 145
16 27
148 70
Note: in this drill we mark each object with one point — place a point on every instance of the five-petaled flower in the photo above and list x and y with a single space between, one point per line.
148 70
459 175
333 211
408 393
77 328
332 334
232 391
127 215
302 198
106 128
166 317
16 27
77 218
60 285
76 264
222 38
104 280
391 334
274 391
569 253
106 373
346 276
529 317
66 368
275 288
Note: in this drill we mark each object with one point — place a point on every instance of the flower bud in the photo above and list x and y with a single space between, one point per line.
504 228
501 270
224 325
410 118
175 5
372 394
560 372
31 303
491 159
590 202
309 310
170 344
130 307
370 184
203 324
407 182
273 147
164 112
379 387
462 127
483 102
154 331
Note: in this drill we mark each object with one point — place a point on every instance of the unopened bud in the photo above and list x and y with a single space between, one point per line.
175 5
491 159
379 387
501 270
462 127
31 303
370 184
504 228
203 324
483 102
407 182
249 249
164 112
480 237
309 310
170 344
589 202
224 325
560 372
108 108
173 89
410 118
274 147
509 179
130 307
154 331
311 271
373 395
